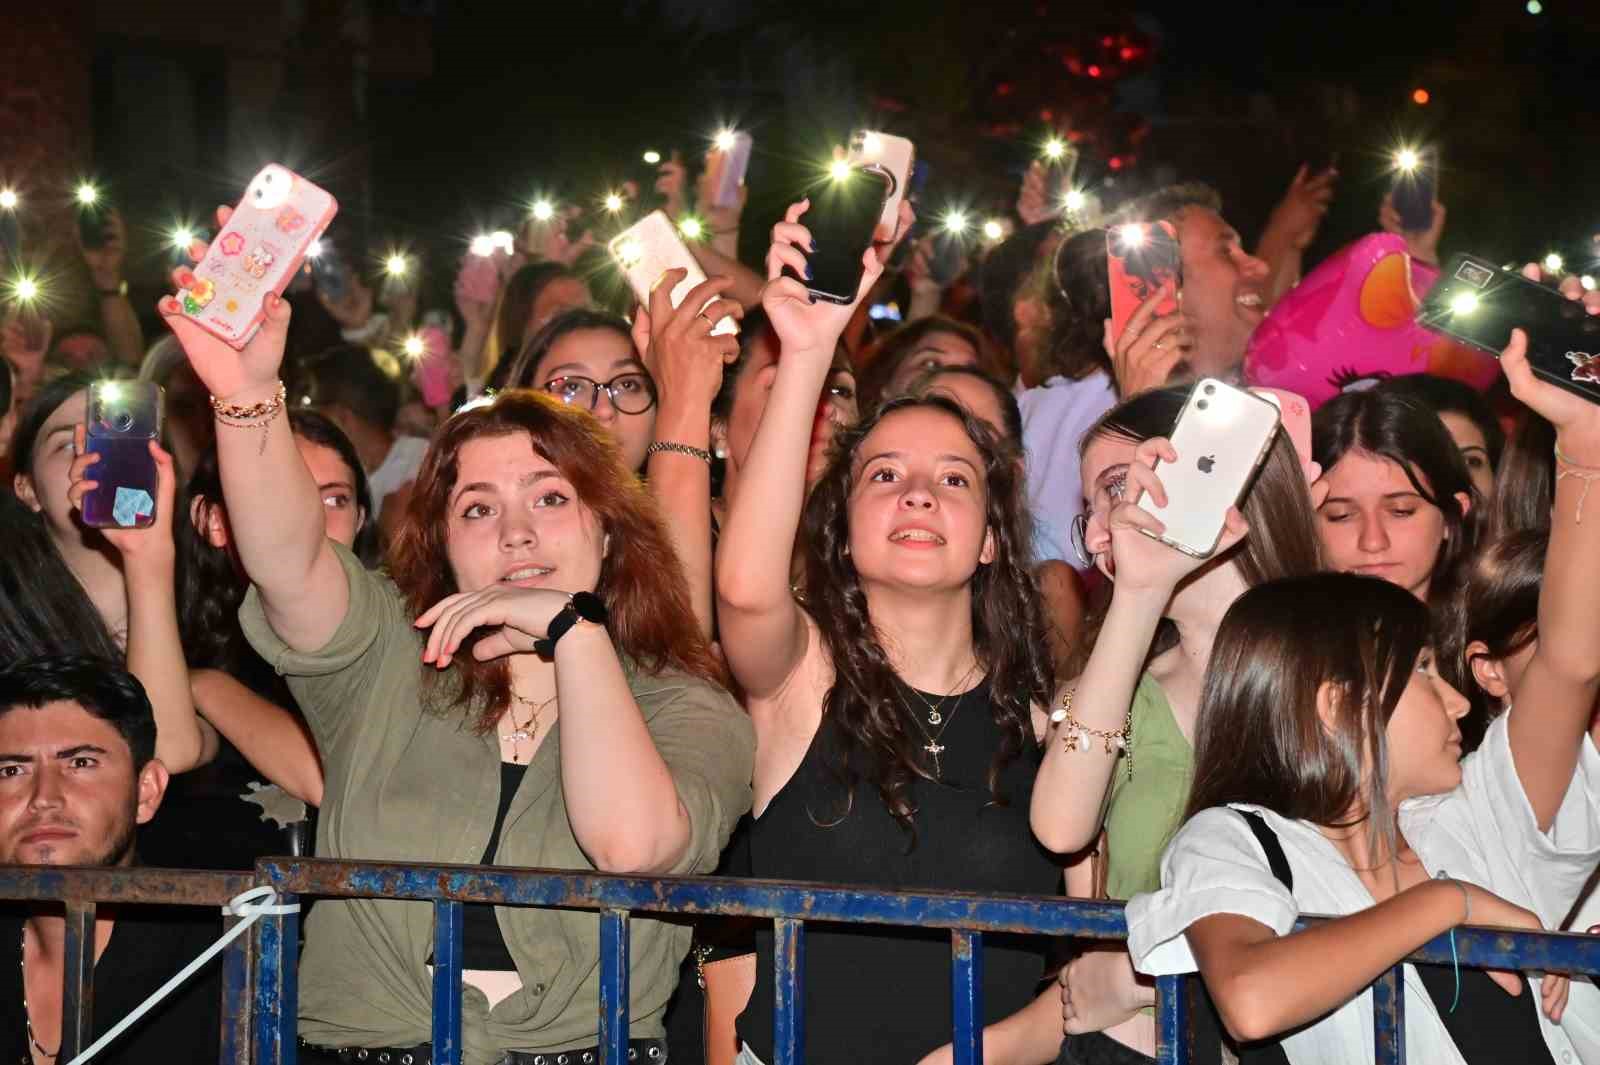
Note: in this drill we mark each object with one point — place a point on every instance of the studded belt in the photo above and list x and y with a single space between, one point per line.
640 1051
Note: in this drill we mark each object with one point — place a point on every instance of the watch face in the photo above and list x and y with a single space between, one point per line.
589 607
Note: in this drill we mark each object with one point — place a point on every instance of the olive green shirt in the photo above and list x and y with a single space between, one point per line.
409 782
1145 811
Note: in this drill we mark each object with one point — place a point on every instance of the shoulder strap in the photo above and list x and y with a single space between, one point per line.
1268 839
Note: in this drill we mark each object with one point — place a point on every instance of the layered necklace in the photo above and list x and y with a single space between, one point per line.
524 731
937 719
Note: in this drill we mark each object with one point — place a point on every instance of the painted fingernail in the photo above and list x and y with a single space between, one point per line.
811 298
813 245
808 271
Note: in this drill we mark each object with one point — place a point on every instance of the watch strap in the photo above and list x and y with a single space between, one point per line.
582 606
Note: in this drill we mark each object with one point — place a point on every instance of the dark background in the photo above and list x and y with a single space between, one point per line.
430 121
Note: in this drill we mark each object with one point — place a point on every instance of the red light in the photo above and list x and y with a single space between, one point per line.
1094 70
1047 115
1003 89
1115 162
1127 53
1075 66
1108 41
1421 97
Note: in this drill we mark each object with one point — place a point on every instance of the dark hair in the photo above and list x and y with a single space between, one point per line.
754 329
1283 540
1074 288
1259 737
348 376
1167 204
1525 486
1446 395
641 579
1394 427
523 371
45 401
7 376
883 358
861 708
101 686
1002 275
1498 603
516 304
211 583
1010 412
43 608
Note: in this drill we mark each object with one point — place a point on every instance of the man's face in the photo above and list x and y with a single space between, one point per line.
1224 293
69 794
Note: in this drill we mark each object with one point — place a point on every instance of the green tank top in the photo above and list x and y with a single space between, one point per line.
1142 813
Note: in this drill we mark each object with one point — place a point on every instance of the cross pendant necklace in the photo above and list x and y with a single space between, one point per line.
934 748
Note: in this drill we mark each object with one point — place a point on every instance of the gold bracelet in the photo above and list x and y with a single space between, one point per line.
1076 735
254 415
1565 467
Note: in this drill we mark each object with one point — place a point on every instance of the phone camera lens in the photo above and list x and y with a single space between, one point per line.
1211 390
122 421
1202 405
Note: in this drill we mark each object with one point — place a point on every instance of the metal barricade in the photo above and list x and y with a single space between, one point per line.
259 986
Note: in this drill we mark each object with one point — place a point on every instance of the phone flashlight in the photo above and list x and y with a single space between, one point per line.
25 289
1075 200
504 240
543 210
629 252
87 194
1054 149
1464 303
955 222
1132 235
1553 263
181 238
614 202
1407 159
8 199
839 169
396 265
314 249
725 140
690 227
652 157
110 391
1587 281
993 230
483 245
414 347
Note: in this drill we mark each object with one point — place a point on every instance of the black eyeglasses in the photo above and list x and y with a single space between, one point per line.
631 393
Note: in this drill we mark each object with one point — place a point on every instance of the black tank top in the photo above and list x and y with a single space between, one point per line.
880 994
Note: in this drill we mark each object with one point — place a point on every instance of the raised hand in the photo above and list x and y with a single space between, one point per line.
1299 214
1150 347
683 358
153 543
105 262
1033 199
1577 420
801 321
1422 245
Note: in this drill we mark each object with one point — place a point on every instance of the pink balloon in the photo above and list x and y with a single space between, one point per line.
1351 322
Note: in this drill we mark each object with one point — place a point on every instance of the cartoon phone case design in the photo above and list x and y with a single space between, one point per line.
257 252
1137 267
649 248
897 157
1221 438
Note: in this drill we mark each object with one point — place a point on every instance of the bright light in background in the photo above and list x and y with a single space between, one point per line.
1553 263
652 157
691 228
993 230
1465 303
1054 148
1407 159
1535 8
396 265
1587 281
724 140
839 169
26 289
1421 97
504 240
1132 235
414 347
544 210
181 238
314 249
871 146
87 194
1075 200
8 199
629 252
110 391
483 245
613 202
955 222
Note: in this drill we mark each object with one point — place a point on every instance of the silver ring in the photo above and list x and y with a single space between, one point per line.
1161 343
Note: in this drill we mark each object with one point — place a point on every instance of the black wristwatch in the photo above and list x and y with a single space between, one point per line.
583 606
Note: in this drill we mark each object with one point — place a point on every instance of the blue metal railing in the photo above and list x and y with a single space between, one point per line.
259 987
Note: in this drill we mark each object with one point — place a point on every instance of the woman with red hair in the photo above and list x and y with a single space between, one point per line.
528 688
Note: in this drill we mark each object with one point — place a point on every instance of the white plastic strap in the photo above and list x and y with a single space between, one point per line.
252 905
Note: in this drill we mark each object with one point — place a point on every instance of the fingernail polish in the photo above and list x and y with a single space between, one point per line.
808 271
813 246
810 297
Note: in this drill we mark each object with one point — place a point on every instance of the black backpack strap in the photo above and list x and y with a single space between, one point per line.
1276 859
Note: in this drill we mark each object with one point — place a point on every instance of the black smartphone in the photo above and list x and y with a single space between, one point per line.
1478 303
841 218
123 417
1416 186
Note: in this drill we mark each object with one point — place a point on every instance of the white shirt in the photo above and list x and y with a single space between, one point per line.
399 469
1054 418
1483 832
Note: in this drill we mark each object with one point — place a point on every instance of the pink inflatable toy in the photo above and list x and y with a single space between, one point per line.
1350 323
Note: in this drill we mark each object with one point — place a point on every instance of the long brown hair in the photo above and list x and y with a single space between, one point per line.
862 708
883 357
641 580
1260 738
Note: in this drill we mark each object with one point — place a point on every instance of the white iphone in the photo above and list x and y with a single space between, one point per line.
1221 438
897 156
649 248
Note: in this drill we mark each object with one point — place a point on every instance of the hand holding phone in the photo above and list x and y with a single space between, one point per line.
649 248
896 157
1219 442
115 478
1415 187
802 321
726 165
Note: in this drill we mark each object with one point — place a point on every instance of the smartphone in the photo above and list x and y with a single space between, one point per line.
895 156
331 273
122 418
1221 438
728 168
1414 191
1064 170
257 252
1478 303
1140 258
179 257
479 277
649 248
842 218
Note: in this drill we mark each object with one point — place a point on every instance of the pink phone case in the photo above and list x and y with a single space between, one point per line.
898 156
257 252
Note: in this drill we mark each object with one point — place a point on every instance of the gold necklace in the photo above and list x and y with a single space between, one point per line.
526 731
933 746
27 1019
936 712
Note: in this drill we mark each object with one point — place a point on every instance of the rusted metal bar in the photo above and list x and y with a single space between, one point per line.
789 999
237 964
77 980
448 924
1172 1021
966 995
174 886
277 951
614 987
1389 1017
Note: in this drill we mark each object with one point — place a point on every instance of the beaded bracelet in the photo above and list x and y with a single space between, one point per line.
1076 735
679 449
249 416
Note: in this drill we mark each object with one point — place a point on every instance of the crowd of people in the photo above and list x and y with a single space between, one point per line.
581 583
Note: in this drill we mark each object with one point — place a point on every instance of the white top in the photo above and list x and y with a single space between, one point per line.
399 469
1483 832
1054 418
